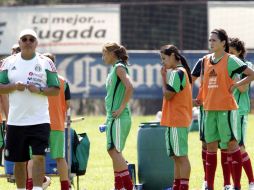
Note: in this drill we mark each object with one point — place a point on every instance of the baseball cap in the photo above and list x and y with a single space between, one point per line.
28 32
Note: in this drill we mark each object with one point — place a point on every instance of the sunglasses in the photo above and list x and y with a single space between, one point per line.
32 40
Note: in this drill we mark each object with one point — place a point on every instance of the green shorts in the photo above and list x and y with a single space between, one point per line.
57 144
221 126
242 123
177 141
117 132
201 124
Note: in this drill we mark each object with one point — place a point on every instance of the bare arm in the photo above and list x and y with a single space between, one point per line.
5 104
68 104
8 88
250 77
46 91
166 93
51 91
122 74
242 88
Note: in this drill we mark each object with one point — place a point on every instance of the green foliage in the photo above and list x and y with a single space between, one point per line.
99 174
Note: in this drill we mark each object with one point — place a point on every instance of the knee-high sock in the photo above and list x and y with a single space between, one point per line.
65 185
29 184
204 162
118 181
126 179
176 185
247 166
237 167
211 164
184 184
225 167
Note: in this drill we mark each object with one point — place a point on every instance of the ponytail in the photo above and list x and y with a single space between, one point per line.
121 54
186 66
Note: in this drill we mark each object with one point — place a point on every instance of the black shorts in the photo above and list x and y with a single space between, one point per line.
20 138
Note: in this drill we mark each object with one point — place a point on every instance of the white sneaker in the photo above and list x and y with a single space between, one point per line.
46 183
204 186
227 187
251 186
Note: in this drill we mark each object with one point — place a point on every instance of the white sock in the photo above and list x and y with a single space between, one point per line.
37 188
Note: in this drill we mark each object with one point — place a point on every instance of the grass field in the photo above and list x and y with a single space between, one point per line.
99 174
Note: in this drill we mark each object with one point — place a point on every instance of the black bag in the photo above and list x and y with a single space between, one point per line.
2 134
80 153
2 141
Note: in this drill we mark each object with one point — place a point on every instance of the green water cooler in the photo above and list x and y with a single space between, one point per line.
155 168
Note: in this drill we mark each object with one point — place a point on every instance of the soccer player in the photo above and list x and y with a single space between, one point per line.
198 71
220 106
58 106
119 91
28 78
176 111
241 94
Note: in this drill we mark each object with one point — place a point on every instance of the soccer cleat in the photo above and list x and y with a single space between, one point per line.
227 187
46 182
204 186
251 186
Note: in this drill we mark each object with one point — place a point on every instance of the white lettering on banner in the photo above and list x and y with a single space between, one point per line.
87 75
139 75
152 79
80 83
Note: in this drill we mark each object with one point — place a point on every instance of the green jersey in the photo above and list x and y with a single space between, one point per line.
176 80
115 91
235 66
243 98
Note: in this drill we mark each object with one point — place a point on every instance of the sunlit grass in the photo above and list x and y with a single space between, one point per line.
99 174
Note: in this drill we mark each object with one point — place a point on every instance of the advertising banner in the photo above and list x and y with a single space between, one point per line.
87 73
62 29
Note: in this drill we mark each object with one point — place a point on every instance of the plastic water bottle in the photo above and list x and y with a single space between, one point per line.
102 128
139 187
132 171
